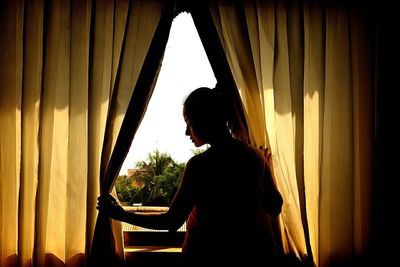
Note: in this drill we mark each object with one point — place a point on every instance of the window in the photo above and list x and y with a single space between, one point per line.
184 68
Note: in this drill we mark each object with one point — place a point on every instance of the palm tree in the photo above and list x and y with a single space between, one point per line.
160 177
158 163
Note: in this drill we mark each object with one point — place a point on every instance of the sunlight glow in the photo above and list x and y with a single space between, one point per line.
184 68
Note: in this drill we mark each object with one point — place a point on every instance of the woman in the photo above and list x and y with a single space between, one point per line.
224 193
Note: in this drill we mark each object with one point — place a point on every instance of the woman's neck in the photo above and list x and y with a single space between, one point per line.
221 138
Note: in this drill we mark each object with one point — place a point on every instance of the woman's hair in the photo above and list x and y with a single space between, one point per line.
205 108
217 108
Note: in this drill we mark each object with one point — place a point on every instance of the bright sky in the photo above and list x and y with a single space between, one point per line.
185 67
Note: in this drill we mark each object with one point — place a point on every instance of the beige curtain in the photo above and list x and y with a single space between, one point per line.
304 75
62 66
254 72
146 34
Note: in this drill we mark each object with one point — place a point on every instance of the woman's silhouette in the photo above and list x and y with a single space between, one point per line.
224 194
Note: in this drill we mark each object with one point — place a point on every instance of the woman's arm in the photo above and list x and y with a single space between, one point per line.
272 198
172 219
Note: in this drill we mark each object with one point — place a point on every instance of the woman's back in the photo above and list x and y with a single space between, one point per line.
229 180
227 195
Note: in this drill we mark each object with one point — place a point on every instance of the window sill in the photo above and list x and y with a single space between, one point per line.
147 247
153 239
155 249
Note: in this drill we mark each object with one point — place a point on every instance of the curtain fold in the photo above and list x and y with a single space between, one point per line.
346 152
10 143
314 80
304 72
69 70
31 86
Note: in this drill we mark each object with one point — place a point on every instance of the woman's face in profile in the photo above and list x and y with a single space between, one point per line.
194 134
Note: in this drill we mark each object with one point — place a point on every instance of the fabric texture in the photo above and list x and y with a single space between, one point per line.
307 92
70 71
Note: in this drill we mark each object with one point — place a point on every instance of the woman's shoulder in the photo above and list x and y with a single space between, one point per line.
251 149
251 153
197 160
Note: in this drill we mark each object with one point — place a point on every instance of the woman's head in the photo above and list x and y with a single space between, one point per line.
205 115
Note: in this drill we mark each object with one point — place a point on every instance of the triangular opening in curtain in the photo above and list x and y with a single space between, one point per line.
161 134
185 67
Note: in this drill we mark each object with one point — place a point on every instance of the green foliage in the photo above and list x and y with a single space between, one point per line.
125 189
155 182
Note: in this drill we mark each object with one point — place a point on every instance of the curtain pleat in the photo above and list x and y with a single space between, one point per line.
314 80
348 87
32 80
11 58
54 130
77 185
362 82
284 117
100 62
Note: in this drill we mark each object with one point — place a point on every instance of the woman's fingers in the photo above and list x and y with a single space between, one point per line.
109 206
107 198
106 203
